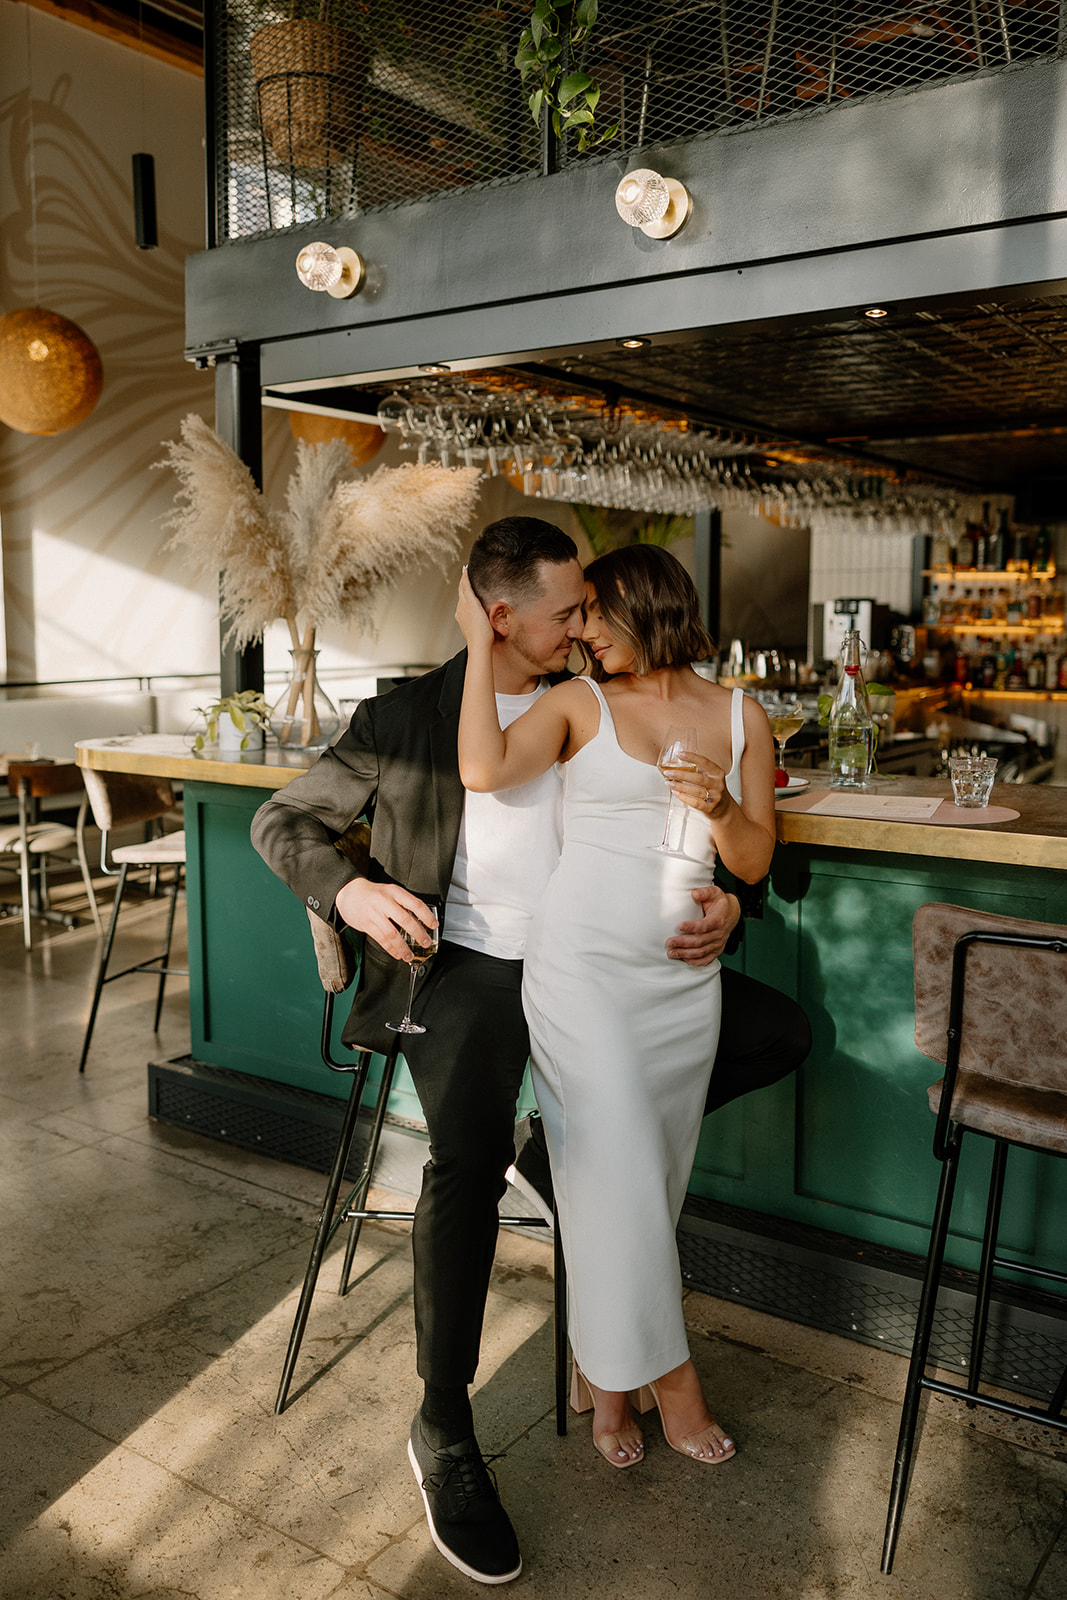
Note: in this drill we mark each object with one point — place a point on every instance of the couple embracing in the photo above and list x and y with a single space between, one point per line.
528 809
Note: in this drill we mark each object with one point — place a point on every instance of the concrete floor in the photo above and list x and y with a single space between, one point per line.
149 1281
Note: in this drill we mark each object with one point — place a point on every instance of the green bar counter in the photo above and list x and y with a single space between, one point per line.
845 1148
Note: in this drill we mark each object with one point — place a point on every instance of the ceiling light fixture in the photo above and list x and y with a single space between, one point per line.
340 272
658 206
877 313
434 366
632 344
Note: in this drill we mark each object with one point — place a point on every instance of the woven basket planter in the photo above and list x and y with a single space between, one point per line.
309 79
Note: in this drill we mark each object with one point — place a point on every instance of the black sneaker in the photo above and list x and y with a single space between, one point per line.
531 1174
467 1522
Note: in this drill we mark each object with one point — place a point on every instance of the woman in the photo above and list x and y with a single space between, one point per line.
622 1037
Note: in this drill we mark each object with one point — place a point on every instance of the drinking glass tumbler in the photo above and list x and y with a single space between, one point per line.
972 779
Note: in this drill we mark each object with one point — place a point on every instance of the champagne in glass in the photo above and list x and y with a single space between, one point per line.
678 742
422 947
786 717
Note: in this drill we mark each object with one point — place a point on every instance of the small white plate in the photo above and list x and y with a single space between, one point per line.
794 786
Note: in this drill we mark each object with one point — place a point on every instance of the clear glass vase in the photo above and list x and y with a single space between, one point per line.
303 717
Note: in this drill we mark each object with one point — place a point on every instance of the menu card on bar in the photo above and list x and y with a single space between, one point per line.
881 807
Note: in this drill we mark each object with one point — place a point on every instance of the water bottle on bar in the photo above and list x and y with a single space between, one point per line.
851 722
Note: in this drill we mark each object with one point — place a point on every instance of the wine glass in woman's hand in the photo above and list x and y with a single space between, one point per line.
679 744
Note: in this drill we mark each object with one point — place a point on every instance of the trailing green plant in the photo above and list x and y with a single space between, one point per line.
246 710
609 531
550 58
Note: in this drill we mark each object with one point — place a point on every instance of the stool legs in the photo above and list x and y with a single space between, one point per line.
325 1227
920 1348
166 947
101 971
985 1273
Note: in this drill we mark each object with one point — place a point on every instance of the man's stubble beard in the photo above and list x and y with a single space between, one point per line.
519 643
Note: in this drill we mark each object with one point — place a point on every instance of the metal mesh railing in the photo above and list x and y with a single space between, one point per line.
326 107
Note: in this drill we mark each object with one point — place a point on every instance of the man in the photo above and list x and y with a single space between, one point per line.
487 858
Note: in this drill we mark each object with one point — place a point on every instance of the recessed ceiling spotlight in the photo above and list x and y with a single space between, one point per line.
658 206
434 366
877 313
632 344
340 272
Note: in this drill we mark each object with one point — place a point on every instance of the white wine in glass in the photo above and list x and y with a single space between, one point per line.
422 947
786 717
672 754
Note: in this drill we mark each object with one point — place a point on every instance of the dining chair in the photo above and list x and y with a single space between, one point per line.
120 800
34 840
991 1005
336 968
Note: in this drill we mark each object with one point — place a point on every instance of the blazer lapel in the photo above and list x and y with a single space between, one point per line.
447 788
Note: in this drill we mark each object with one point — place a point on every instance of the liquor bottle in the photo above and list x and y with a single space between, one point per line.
965 548
1020 551
947 607
851 723
1001 544
1042 550
1036 670
1015 609
940 551
933 609
983 541
1061 672
1034 605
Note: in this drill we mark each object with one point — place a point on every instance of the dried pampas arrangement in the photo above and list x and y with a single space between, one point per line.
328 557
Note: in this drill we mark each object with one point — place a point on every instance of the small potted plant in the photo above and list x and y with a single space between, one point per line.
234 722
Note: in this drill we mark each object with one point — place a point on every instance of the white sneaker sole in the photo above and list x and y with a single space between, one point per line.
450 1555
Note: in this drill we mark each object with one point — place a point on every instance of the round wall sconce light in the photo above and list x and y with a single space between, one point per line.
657 205
340 272
51 374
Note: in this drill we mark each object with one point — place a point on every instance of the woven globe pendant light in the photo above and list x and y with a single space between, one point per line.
51 374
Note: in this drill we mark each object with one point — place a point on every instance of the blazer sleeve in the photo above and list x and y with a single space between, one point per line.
297 830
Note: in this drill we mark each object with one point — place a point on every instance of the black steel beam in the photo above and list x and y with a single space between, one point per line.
239 421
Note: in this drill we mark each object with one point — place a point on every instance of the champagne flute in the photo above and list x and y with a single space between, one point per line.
678 741
422 947
786 717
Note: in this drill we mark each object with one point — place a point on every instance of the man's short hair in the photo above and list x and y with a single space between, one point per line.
505 558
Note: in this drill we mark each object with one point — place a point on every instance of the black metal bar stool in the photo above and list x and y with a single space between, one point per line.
336 971
119 799
991 1004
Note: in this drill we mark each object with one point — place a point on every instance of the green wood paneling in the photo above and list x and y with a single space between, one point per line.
847 1146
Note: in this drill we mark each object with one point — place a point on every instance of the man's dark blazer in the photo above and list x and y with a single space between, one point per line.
397 767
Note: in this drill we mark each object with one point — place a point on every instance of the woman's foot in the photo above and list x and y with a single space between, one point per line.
688 1425
615 1432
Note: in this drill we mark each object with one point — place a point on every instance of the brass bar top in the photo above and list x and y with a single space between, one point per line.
1036 838
171 755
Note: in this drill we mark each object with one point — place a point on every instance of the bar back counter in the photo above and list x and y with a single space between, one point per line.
812 1199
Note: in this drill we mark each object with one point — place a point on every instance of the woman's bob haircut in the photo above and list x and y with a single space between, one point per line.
650 603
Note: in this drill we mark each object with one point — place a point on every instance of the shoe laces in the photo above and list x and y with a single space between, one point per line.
472 1475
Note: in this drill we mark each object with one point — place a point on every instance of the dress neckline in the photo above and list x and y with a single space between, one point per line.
605 709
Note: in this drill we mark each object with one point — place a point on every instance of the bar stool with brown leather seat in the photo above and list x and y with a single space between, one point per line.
991 1004
336 966
123 799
